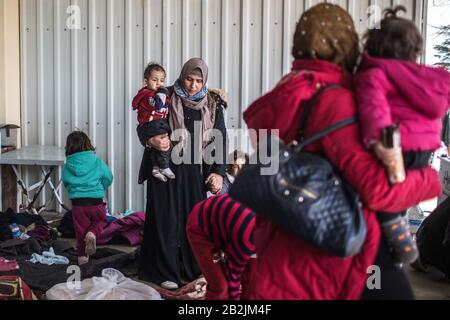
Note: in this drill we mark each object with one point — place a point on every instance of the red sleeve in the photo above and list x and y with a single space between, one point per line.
373 108
360 168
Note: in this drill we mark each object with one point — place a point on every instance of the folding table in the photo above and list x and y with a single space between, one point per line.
47 159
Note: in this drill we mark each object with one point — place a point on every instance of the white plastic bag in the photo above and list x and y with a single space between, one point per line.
112 285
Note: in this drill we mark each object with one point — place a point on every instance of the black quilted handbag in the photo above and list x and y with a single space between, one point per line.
306 197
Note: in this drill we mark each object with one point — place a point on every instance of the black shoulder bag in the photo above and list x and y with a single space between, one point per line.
306 197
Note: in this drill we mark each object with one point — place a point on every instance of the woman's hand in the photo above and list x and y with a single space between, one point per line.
388 156
215 183
160 143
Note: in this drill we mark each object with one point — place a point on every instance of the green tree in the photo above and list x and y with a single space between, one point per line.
443 49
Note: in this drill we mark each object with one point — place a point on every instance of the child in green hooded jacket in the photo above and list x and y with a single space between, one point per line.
86 178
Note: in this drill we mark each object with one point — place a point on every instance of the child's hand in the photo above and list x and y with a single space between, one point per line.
388 156
215 183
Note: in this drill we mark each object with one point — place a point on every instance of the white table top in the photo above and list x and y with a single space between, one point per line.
35 156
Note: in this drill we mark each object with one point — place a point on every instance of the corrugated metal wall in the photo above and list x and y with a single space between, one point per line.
86 78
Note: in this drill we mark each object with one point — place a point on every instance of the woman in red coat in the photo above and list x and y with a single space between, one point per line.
287 268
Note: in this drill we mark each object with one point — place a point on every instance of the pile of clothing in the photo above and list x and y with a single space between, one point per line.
8 265
41 260
28 225
128 229
41 263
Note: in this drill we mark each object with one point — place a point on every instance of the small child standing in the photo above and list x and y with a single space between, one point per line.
240 160
86 177
152 104
391 89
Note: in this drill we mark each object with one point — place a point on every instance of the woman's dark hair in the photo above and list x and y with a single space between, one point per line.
153 67
396 38
78 141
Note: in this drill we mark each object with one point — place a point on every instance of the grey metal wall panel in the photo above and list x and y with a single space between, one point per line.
231 63
292 12
212 32
45 114
134 58
272 33
29 78
86 78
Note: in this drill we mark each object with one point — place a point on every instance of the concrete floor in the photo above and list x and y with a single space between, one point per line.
429 286
426 286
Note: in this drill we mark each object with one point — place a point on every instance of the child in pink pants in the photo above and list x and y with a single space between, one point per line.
86 178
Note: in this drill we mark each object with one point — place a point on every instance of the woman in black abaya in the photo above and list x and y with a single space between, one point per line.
166 258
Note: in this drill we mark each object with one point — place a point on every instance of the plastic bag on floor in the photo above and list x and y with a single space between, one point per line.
112 285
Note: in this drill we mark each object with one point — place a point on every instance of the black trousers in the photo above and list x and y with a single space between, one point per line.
394 282
160 159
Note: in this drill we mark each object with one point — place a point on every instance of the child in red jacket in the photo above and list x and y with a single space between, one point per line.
391 88
153 105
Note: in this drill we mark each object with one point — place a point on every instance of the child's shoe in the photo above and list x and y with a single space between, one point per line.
168 173
83 260
169 285
156 172
91 244
404 248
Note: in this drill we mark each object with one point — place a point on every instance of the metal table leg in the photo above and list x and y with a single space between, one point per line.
38 192
22 186
40 185
55 190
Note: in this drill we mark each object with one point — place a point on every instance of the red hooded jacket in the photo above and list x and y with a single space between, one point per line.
395 91
145 104
288 268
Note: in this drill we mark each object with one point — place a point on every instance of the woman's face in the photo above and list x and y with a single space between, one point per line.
193 84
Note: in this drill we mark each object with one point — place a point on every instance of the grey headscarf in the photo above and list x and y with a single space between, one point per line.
180 100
